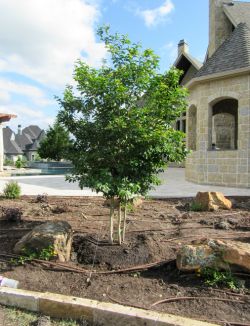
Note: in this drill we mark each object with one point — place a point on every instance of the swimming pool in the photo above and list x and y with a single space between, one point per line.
47 171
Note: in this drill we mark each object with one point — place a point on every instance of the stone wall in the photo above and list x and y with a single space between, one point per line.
219 167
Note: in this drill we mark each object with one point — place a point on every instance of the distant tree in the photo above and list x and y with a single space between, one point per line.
121 121
55 144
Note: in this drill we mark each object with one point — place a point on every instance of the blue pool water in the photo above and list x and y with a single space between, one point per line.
49 171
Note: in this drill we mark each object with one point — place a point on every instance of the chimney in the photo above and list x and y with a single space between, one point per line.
19 129
219 25
182 47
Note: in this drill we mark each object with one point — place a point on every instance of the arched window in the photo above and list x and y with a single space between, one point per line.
224 125
192 127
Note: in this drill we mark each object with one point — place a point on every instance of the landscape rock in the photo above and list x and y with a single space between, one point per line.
58 234
218 254
212 201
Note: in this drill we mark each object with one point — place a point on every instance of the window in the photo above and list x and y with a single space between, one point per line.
224 126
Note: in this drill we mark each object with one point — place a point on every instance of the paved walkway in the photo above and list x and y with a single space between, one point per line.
173 185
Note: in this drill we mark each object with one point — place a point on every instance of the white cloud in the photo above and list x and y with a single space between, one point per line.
4 96
154 16
42 39
26 116
35 94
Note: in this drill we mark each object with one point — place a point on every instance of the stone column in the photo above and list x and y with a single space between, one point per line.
219 25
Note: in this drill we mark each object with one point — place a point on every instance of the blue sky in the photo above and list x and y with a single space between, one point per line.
41 39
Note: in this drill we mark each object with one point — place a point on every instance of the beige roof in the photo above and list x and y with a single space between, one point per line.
238 12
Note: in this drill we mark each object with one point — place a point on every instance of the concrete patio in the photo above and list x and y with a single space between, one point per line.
173 185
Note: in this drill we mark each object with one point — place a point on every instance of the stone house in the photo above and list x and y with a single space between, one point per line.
218 116
23 144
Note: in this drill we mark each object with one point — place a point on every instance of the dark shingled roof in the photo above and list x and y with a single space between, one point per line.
35 145
33 131
10 146
23 140
238 13
233 54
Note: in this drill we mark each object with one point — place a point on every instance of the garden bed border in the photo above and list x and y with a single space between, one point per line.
107 314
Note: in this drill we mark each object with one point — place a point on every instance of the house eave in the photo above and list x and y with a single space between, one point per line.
219 75
189 58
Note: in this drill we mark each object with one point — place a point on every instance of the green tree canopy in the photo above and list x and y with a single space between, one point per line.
55 145
121 118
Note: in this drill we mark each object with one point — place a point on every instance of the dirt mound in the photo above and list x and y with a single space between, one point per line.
90 251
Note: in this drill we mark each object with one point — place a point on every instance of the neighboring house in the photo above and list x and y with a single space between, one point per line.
218 117
24 143
11 150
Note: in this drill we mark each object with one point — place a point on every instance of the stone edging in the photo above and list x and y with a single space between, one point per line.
107 314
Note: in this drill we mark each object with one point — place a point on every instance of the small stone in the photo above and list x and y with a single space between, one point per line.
222 225
232 221
186 216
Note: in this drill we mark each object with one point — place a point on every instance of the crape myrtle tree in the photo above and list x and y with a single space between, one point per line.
55 145
121 119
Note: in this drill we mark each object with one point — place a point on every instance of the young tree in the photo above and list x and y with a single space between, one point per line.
56 143
121 120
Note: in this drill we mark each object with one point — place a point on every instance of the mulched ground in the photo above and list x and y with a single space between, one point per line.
154 233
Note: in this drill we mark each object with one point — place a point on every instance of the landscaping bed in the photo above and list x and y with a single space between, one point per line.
155 231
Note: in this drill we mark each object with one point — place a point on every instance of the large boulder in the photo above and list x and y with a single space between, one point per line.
57 234
218 254
211 201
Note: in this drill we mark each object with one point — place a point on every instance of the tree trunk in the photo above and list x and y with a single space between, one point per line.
119 224
111 225
124 222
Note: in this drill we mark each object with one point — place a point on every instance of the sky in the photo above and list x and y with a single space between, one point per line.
40 40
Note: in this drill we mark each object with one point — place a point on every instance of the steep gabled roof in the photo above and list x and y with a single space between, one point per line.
23 140
196 63
233 54
33 131
189 65
238 12
10 146
35 145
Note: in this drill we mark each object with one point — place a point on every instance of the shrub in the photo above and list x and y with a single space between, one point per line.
12 190
214 277
8 162
196 207
12 214
19 163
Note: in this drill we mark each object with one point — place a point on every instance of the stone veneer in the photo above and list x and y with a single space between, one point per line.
224 167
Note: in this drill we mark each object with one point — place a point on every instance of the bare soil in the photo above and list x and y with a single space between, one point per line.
155 231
